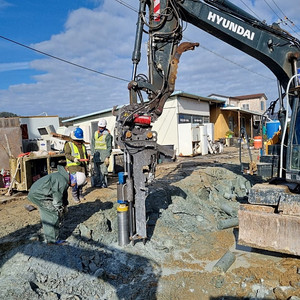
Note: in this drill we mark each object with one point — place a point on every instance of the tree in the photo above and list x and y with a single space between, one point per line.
5 114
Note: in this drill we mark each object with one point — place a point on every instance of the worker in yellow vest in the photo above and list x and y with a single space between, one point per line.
101 148
76 156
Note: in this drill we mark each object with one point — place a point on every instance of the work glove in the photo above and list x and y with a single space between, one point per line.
76 160
106 161
60 210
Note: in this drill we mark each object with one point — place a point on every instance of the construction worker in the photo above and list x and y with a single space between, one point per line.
101 148
76 156
50 194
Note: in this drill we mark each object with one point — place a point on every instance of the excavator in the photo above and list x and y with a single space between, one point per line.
271 218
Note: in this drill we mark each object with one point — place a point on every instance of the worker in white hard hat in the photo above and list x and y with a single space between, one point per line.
77 158
101 148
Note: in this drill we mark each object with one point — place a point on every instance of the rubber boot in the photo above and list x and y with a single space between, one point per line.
104 182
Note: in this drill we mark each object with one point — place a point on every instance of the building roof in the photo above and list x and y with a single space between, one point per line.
197 97
88 115
242 97
248 97
236 108
218 96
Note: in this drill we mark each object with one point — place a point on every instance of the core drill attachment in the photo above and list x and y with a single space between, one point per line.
122 212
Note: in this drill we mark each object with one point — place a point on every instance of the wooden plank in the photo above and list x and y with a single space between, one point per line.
269 231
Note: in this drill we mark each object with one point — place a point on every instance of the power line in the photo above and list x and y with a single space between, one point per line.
223 57
127 5
250 9
280 17
112 76
285 15
241 66
61 59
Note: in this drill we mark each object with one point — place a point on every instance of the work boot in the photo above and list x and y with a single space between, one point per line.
81 197
75 196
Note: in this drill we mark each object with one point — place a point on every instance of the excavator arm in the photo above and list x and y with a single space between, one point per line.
162 21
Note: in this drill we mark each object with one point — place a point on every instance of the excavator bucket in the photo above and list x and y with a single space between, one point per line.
260 227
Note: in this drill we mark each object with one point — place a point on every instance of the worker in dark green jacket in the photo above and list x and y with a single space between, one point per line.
50 194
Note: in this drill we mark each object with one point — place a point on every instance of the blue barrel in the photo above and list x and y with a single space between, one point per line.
272 128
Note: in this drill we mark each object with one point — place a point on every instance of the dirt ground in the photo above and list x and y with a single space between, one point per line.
190 274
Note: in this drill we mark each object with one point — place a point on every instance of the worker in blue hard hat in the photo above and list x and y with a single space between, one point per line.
50 194
77 159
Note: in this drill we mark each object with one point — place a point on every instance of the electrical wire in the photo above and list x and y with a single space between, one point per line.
251 10
61 59
219 55
281 20
127 5
122 79
285 15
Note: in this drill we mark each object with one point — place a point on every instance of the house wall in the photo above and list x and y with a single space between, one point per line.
234 102
10 141
193 107
254 104
166 125
35 122
220 119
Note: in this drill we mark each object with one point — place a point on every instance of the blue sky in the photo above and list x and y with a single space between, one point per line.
99 34
30 22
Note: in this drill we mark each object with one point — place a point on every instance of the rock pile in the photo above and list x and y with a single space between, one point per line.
187 221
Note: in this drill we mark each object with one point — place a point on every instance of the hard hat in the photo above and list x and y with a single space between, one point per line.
77 134
80 178
102 123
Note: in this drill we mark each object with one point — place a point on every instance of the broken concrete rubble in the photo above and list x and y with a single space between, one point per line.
184 208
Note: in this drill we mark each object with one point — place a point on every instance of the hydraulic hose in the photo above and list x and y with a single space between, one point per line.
285 124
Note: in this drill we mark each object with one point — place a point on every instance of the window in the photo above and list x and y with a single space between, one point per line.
194 119
206 119
197 120
262 105
184 118
246 106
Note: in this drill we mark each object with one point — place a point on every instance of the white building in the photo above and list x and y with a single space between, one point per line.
182 113
31 124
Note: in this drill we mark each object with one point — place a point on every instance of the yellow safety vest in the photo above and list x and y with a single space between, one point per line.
100 143
76 154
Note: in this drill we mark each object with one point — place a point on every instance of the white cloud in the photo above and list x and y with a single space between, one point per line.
102 39
14 66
